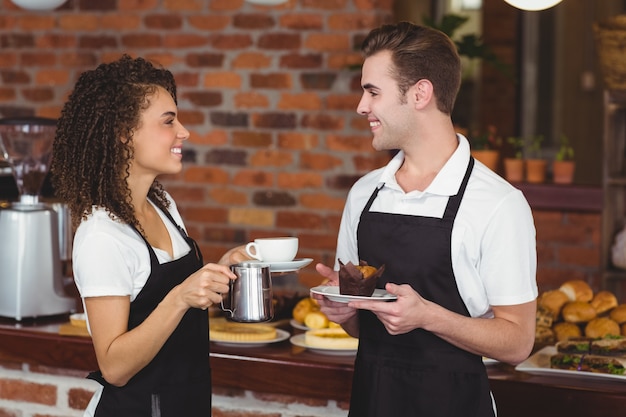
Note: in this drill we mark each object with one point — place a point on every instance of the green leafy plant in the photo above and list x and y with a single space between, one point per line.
533 144
565 152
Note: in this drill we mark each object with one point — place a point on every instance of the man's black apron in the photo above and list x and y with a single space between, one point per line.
177 382
417 373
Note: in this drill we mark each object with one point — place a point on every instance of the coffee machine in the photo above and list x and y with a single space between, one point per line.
34 236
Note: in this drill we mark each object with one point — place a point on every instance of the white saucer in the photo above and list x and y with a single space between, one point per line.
332 293
280 336
298 340
290 266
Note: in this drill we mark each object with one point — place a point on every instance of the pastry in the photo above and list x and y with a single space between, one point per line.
316 320
565 331
578 312
223 331
577 290
604 301
335 338
619 314
358 280
602 327
304 307
553 301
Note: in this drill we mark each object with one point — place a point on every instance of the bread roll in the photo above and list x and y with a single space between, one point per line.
577 290
304 307
553 301
601 327
618 314
564 330
604 301
578 312
316 320
624 329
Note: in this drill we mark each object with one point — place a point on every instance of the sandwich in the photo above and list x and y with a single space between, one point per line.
614 346
606 355
588 363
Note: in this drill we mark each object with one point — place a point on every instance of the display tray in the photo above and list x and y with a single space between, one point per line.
539 364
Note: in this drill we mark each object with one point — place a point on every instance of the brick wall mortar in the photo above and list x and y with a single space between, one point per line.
280 71
225 403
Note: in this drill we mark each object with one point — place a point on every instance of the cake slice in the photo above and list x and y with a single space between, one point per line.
359 279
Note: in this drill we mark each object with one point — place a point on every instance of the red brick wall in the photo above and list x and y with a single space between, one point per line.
43 392
266 92
269 98
568 247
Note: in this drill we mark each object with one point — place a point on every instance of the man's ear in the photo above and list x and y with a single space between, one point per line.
422 93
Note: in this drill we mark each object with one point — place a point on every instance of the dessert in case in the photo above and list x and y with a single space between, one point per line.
358 280
241 332
331 338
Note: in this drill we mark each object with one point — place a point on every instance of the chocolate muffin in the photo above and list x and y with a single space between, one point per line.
358 279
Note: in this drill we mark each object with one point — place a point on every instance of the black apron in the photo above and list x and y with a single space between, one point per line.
417 373
177 382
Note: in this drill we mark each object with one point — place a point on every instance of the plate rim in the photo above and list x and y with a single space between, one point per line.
298 340
289 266
281 335
531 366
297 325
340 298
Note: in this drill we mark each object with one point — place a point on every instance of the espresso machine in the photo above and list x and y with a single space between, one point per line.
34 236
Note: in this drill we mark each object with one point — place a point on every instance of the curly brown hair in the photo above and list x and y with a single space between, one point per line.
93 146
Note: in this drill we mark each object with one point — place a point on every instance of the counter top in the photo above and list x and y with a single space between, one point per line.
282 368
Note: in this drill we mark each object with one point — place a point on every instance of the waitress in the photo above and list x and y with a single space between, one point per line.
457 242
142 280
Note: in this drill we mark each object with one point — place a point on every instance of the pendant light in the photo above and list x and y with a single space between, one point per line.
38 5
533 5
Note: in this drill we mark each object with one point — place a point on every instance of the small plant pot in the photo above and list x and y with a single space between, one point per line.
563 172
536 170
514 169
489 157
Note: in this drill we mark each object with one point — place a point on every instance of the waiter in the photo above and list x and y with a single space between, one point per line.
457 242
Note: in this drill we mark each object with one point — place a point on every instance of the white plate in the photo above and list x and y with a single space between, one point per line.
332 293
298 340
280 336
290 266
297 325
539 364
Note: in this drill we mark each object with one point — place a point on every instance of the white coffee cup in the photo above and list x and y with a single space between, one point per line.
273 249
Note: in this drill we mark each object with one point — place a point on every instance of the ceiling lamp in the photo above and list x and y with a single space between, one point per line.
39 5
533 5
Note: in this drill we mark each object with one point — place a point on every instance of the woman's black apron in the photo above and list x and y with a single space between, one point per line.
417 373
177 382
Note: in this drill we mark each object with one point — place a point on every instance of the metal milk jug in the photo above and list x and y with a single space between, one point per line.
250 297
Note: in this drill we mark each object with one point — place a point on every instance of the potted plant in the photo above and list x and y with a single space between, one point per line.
536 166
563 166
514 166
485 147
